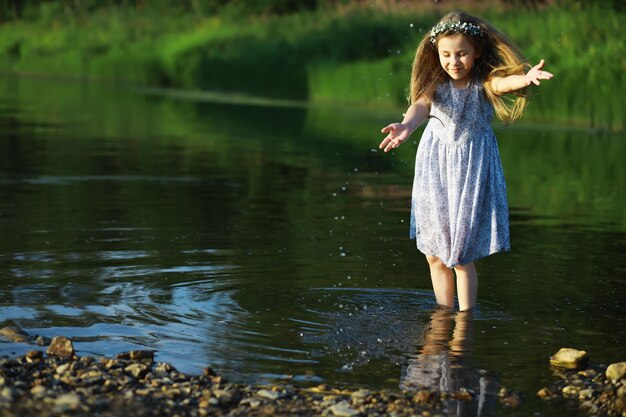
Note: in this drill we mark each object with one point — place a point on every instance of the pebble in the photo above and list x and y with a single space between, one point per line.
136 355
137 370
423 396
62 347
598 391
343 409
616 371
267 394
569 358
360 394
61 369
34 355
38 391
545 393
14 334
67 402
8 394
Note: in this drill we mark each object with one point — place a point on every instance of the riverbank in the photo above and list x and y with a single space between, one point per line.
59 382
132 384
354 55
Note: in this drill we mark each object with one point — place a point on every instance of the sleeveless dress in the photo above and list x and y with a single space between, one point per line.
459 208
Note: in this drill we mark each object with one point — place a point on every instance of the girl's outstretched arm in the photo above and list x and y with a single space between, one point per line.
504 85
398 133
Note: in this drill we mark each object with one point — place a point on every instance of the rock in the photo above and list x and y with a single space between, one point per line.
137 370
42 341
14 334
544 393
34 356
208 372
61 369
8 394
67 402
135 355
585 394
360 395
588 373
616 371
267 394
62 347
423 396
570 391
510 398
163 369
251 402
38 391
342 409
570 359
224 397
462 395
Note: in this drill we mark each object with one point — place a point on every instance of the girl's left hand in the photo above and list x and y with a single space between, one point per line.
536 73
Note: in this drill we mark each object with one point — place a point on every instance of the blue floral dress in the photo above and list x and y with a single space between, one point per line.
459 209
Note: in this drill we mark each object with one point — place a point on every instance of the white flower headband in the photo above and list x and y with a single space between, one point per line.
465 27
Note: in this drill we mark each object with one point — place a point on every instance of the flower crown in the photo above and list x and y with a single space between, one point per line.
465 27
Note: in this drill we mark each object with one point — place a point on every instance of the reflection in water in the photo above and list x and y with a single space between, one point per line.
443 365
218 237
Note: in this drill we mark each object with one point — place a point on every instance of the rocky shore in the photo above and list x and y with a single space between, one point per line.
597 389
59 383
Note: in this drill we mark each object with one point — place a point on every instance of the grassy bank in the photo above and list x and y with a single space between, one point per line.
353 54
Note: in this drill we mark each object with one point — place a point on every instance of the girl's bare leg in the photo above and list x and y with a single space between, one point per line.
443 281
467 285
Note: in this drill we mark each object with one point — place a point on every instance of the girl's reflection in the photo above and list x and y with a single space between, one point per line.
442 365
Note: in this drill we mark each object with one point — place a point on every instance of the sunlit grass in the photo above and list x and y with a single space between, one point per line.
352 55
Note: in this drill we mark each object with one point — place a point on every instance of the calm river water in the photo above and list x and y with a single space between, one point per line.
271 242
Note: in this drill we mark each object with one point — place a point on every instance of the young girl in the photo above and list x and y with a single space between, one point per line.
459 207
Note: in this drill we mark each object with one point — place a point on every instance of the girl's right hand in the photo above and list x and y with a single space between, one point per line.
397 133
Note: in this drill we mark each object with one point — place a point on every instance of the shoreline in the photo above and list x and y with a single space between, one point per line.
58 382
131 383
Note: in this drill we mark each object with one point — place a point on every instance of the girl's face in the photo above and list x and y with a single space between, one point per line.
457 56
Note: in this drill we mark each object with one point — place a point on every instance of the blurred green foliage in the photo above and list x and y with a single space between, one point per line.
321 50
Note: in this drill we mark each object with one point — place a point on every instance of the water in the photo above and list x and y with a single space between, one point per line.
270 242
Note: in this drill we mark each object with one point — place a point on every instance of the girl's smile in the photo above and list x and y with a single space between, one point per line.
457 56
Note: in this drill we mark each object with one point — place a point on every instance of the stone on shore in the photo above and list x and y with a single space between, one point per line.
343 409
14 334
570 359
67 402
62 347
598 390
616 371
267 394
135 355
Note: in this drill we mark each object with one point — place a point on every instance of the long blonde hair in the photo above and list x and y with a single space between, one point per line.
498 57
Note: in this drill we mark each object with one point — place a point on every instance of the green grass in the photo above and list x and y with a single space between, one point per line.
351 55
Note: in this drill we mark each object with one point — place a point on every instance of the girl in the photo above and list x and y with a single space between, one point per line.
459 209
